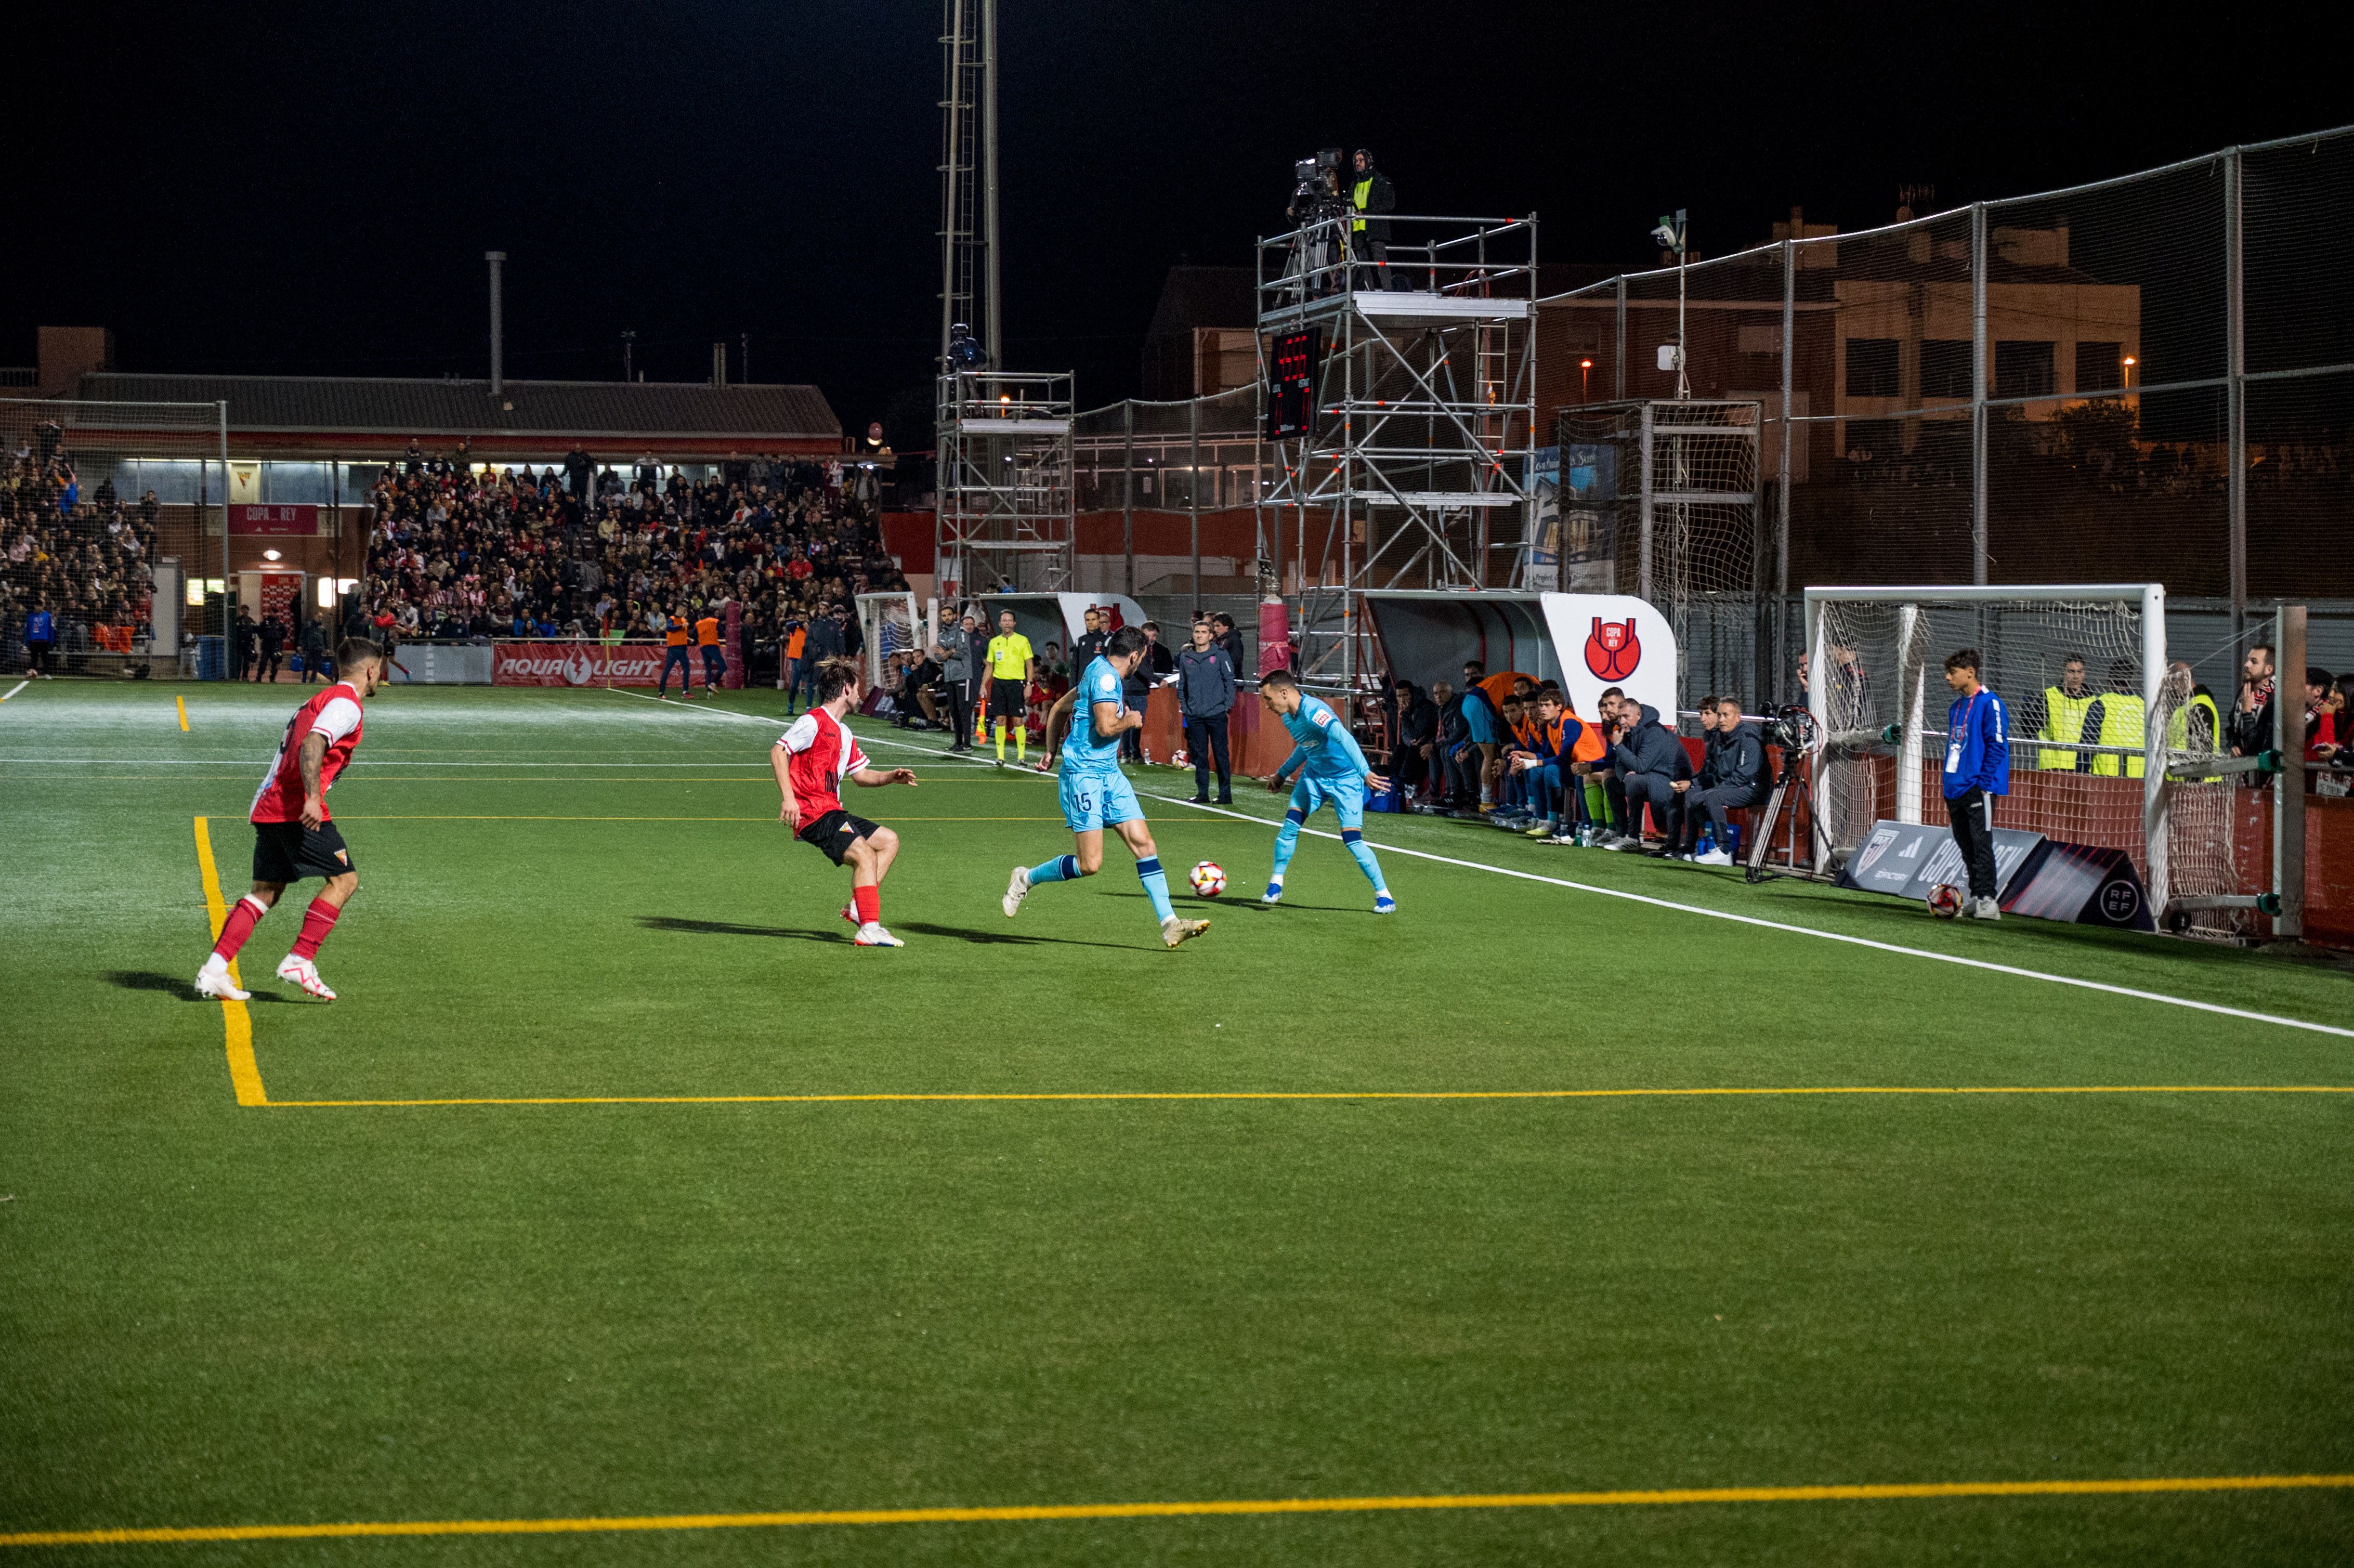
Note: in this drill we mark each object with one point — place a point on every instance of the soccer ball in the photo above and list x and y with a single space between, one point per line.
1209 879
1178 761
1945 901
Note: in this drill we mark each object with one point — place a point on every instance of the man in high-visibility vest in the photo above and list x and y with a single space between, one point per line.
2064 706
706 637
676 631
1369 237
2116 717
2193 723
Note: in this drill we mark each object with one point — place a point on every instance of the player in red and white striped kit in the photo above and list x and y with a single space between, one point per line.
812 759
292 835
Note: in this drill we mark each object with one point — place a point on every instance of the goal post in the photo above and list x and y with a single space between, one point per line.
888 623
2084 769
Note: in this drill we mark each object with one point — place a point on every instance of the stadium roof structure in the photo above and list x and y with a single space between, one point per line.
363 416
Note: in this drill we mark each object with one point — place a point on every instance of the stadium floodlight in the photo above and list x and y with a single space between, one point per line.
1671 232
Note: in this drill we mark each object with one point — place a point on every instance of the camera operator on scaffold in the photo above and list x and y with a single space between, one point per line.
1368 234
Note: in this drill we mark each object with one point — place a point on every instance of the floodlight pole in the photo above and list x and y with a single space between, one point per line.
1684 382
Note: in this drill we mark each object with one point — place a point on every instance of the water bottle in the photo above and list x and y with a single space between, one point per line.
1707 838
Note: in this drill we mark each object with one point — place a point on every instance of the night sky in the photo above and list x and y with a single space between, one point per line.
310 189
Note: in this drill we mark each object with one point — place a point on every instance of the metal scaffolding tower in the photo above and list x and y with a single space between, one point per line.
1413 469
1006 500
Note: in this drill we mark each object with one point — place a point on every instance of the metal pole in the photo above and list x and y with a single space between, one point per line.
1978 392
1193 490
497 259
1683 359
1128 494
989 174
2236 405
1912 677
2155 804
228 610
1643 560
1782 522
2288 788
1618 358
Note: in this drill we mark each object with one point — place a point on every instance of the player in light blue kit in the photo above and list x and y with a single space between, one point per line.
1331 767
1095 794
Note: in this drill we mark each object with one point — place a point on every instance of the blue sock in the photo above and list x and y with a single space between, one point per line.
1156 886
1287 840
1062 868
1363 853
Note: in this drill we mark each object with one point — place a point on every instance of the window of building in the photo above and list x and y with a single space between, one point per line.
2100 367
2022 368
1871 368
1945 370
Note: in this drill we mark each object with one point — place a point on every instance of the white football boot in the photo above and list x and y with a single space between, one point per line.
305 973
1177 928
213 980
872 935
1016 891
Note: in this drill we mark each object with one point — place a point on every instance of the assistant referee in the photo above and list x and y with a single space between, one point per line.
1012 667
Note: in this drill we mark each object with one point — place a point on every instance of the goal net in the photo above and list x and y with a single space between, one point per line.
2080 669
887 621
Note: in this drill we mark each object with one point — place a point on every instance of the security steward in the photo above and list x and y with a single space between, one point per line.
1369 236
2116 718
2064 707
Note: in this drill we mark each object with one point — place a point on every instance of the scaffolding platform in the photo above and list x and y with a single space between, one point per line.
1006 508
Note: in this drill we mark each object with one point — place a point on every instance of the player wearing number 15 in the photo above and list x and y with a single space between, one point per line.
1095 794
292 835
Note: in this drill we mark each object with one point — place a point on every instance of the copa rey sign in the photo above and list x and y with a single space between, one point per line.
575 664
1606 639
274 518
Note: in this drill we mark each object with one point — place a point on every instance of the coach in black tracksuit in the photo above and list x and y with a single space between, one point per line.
1732 777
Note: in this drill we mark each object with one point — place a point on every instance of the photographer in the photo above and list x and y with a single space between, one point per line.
1369 236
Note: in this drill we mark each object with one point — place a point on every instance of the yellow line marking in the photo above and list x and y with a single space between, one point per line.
182 702
412 817
2131 1486
244 1071
1344 1094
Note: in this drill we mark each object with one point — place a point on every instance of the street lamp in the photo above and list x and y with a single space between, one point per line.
1671 233
2130 363
1585 381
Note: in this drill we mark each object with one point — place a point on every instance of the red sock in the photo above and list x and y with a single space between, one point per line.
317 921
243 916
869 904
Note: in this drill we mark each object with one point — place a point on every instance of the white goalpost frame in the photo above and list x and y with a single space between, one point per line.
871 606
1913 680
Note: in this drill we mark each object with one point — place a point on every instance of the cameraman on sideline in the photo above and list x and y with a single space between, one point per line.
1369 236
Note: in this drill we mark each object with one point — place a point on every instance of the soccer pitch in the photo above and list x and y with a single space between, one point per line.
1557 1217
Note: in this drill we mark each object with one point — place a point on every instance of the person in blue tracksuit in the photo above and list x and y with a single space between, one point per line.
1977 769
1332 769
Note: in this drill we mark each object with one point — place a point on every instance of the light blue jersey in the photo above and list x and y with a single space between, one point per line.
1322 746
1086 754
1095 793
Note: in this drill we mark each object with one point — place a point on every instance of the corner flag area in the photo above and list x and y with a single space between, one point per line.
1588 1208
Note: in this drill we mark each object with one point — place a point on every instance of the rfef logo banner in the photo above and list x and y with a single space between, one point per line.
575 664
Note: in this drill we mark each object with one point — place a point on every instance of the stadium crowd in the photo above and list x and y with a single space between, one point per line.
74 574
457 550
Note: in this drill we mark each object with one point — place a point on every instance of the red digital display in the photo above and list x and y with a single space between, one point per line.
1291 358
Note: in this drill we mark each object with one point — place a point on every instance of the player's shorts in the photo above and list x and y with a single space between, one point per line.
1345 796
1095 801
289 851
1008 699
834 832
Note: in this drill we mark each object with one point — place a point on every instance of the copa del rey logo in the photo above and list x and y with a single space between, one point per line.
1612 649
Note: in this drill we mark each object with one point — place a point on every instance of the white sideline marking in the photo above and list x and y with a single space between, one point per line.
15 689
1984 964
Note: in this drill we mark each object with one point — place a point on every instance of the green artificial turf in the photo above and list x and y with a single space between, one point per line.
216 1315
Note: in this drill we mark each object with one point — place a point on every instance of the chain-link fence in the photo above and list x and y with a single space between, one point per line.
112 518
2149 378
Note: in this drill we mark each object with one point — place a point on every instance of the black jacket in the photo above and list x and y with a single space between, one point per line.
1650 748
1735 758
1454 729
1379 197
1417 721
1205 681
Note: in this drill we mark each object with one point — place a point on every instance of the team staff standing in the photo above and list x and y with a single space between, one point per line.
1206 691
1977 769
957 647
1012 667
706 638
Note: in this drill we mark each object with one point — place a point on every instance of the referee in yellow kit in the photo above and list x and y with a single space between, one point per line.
1012 666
